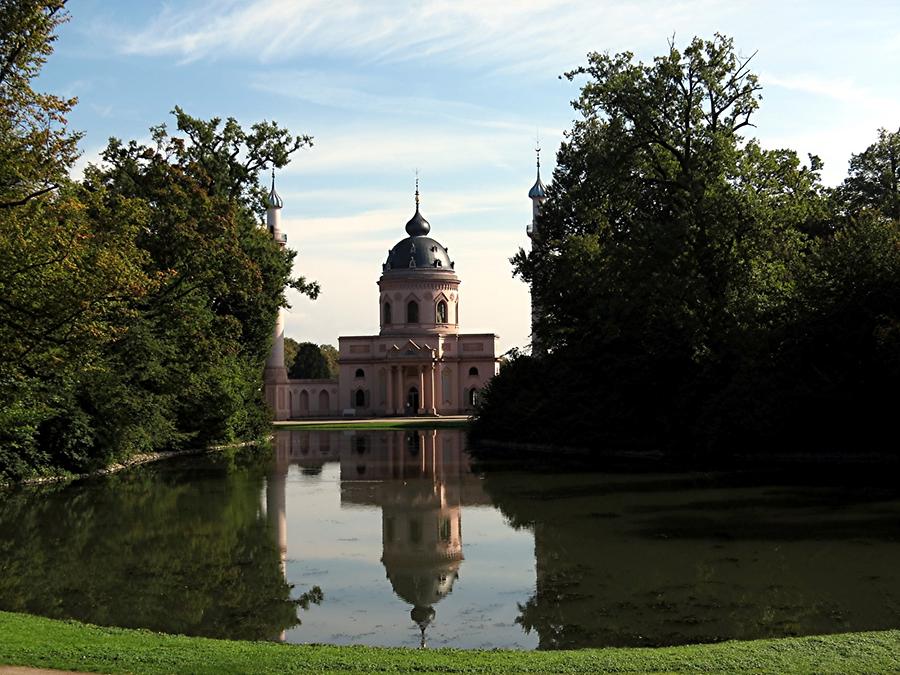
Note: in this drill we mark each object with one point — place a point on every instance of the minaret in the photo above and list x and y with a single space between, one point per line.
275 377
538 195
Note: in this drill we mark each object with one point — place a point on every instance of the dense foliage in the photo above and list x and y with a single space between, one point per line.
307 360
699 292
136 305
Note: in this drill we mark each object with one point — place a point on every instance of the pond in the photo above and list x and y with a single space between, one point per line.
391 538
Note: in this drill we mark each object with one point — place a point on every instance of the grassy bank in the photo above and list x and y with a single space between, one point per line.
376 424
45 643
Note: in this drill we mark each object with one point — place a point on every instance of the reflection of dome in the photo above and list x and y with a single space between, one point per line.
418 252
423 586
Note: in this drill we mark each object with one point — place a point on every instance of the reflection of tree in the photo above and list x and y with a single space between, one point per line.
651 560
179 547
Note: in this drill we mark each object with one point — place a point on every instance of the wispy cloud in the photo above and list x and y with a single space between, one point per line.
508 35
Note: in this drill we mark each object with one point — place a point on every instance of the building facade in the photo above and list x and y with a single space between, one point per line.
418 364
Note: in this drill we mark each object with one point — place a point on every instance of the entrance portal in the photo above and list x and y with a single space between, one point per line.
412 401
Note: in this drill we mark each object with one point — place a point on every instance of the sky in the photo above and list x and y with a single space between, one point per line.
456 89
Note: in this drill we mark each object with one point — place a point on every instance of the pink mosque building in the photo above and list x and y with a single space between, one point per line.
419 363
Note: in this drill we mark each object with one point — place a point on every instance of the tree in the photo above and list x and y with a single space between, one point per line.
36 148
675 268
874 177
202 339
136 307
331 358
69 266
290 351
310 363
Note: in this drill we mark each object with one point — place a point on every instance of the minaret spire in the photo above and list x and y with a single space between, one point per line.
273 201
417 225
275 376
538 195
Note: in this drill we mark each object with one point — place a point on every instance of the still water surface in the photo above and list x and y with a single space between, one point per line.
390 538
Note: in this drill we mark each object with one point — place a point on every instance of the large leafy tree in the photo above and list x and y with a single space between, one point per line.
698 290
69 266
667 234
135 307
200 341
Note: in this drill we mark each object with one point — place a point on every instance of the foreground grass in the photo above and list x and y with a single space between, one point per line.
33 641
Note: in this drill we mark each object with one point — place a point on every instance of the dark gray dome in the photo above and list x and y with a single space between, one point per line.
417 225
418 253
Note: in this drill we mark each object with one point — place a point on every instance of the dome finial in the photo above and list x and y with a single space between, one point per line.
538 190
417 225
274 201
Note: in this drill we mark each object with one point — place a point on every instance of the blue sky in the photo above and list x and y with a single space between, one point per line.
457 89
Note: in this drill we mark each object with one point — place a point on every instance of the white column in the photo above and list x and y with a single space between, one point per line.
422 402
389 386
432 407
399 390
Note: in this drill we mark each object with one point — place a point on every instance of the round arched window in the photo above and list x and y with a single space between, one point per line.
473 371
360 373
360 398
441 312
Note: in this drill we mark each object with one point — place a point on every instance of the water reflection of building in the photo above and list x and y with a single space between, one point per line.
419 479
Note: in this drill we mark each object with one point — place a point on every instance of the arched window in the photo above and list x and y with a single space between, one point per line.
387 313
473 397
473 371
360 373
442 312
360 398
412 312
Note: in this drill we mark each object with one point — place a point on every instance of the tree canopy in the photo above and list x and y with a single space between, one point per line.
313 361
136 305
684 271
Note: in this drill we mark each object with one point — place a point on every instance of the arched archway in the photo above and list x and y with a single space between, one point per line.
304 402
412 400
324 401
360 398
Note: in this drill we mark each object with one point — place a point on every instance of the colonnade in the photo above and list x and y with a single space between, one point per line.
397 392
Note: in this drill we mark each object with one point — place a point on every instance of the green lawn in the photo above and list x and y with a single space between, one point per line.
45 643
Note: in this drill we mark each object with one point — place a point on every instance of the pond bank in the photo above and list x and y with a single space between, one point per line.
131 462
46 643
373 423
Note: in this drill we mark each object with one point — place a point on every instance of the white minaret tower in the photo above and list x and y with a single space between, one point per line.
275 376
538 195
